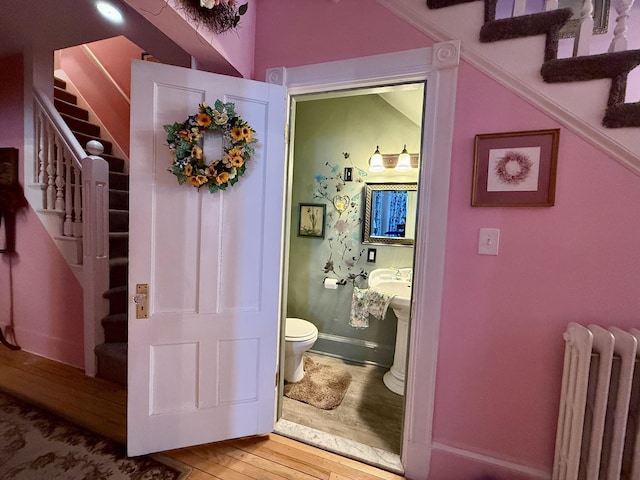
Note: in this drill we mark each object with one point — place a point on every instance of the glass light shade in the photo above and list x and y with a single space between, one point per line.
375 162
404 161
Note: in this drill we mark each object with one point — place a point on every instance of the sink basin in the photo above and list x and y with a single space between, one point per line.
393 282
397 283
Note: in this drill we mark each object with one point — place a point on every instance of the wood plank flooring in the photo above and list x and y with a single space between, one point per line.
101 406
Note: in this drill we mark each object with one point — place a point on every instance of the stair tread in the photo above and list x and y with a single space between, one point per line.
590 67
119 260
524 25
433 4
622 115
115 291
60 83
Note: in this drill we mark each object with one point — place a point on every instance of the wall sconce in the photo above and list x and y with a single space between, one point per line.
404 161
375 162
400 163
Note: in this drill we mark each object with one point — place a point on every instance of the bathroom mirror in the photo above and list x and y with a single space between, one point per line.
390 213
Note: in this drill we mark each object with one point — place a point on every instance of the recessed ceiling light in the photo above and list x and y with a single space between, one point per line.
109 12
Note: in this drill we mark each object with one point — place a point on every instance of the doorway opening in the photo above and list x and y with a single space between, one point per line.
347 224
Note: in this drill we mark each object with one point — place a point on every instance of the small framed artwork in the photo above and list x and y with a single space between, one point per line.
311 220
516 169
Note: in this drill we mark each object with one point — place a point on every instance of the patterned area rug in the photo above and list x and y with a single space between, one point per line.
36 445
323 386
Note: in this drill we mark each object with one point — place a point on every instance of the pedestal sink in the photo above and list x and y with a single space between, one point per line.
396 282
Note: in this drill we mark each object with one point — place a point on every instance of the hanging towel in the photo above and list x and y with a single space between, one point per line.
359 314
367 302
377 303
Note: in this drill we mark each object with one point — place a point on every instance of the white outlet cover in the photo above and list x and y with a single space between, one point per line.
488 241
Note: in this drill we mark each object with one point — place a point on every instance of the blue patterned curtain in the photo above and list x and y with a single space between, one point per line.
397 214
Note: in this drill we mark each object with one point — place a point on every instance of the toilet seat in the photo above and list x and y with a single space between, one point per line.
298 330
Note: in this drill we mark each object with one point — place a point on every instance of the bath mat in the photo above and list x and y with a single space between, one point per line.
323 386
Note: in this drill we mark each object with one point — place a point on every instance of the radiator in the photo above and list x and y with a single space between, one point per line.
598 436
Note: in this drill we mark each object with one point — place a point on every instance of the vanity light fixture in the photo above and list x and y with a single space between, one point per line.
375 162
404 161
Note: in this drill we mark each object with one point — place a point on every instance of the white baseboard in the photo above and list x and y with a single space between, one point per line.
528 472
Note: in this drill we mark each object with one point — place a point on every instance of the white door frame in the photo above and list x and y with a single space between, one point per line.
438 66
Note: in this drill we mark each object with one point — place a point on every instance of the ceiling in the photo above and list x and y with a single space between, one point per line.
40 26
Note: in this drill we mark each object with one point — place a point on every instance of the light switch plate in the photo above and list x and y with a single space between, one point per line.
488 241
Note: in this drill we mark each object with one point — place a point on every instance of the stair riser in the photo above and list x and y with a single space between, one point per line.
65 96
118 275
118 181
71 110
115 164
118 221
115 330
118 246
112 362
118 200
118 303
81 126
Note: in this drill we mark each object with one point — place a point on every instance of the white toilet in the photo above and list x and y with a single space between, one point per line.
300 335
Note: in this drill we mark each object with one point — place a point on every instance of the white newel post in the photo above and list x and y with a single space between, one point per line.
619 42
95 247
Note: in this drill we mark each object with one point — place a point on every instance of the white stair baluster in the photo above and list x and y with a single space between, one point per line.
519 8
550 5
38 171
68 203
77 202
582 42
50 169
619 42
59 181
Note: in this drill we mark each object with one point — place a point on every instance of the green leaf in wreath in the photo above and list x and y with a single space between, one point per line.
242 9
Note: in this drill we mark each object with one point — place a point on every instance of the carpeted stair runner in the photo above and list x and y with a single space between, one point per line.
615 65
111 355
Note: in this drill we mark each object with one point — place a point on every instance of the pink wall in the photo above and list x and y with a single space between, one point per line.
98 90
47 299
500 346
292 33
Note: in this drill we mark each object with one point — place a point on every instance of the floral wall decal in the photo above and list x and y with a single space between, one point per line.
343 224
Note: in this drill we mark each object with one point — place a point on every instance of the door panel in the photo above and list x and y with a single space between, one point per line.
202 366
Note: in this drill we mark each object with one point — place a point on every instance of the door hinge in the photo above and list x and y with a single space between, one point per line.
277 378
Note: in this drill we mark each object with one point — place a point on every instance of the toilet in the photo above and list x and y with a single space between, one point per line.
300 335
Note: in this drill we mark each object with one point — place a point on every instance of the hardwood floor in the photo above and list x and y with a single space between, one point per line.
101 406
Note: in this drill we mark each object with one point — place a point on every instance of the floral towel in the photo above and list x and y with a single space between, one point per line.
367 302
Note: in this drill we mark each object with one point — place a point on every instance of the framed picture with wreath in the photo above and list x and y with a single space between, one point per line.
515 169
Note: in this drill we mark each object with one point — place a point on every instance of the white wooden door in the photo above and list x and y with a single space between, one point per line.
202 367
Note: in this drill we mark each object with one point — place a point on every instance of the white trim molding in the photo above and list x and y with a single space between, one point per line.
508 467
438 67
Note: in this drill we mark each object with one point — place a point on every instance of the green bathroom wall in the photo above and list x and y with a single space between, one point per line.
331 134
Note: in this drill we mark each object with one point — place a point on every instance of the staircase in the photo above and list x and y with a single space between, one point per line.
112 354
585 94
614 65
